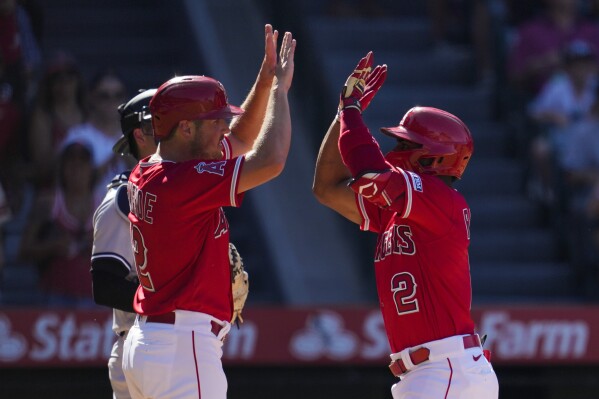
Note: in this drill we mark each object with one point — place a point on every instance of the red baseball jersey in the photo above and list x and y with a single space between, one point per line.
181 236
421 261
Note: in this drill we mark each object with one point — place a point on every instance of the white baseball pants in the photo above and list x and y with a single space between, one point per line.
451 373
115 371
175 361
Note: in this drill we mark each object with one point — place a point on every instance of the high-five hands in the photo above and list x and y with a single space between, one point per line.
362 84
269 64
285 66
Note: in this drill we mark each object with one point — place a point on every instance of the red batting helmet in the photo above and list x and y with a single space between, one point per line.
189 98
443 136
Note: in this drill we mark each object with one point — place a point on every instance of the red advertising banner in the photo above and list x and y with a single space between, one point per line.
517 335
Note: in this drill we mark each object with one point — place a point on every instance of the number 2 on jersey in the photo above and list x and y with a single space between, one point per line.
403 287
141 259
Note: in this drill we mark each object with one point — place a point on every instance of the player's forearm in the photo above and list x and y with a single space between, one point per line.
330 170
274 141
245 128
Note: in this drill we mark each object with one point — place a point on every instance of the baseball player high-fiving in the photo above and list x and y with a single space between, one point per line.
423 226
179 231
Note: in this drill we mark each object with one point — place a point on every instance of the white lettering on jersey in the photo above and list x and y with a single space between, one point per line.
223 224
396 240
416 181
141 204
216 168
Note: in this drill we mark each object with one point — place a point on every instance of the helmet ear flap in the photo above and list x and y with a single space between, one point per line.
407 159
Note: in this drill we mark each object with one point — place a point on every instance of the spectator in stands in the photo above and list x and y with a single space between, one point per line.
535 55
59 105
59 234
564 100
103 128
581 174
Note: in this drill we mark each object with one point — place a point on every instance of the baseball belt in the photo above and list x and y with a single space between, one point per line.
169 318
421 355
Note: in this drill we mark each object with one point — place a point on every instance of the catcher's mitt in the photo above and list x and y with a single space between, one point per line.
240 283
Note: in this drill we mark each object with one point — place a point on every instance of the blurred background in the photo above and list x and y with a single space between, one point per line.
522 74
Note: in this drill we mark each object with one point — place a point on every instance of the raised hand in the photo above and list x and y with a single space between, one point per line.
269 64
362 84
354 85
285 66
374 81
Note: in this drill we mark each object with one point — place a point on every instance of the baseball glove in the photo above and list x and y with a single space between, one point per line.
240 283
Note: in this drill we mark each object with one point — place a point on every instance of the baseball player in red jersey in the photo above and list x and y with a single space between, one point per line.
180 233
423 226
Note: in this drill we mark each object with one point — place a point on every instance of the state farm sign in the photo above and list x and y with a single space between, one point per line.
30 338
309 336
541 335
323 336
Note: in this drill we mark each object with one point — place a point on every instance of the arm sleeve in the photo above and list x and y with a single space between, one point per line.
359 150
110 286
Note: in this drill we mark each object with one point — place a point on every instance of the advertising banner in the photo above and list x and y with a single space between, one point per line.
517 335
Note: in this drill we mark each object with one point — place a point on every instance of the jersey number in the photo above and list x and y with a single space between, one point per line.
403 287
141 259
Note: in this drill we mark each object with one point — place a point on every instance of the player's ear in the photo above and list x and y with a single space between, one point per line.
185 127
138 134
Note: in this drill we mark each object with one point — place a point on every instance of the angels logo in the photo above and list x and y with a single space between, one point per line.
216 168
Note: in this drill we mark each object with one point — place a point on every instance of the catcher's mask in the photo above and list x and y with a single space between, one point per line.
444 143
189 98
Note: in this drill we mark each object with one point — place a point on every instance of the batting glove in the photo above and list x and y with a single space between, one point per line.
353 90
374 81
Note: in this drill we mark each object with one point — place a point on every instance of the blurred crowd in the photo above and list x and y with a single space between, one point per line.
550 101
57 128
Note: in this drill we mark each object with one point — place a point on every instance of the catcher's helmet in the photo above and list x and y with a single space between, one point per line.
189 98
443 137
132 113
